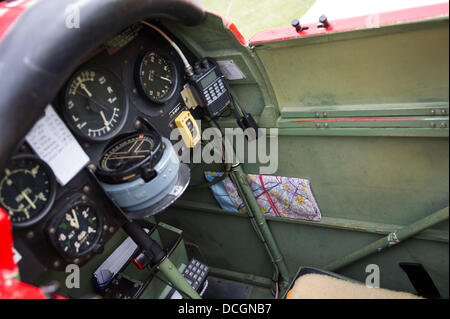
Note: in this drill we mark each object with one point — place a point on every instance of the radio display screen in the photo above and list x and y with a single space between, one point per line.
207 80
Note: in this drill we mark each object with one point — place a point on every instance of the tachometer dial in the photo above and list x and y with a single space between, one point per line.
77 230
27 190
157 77
95 106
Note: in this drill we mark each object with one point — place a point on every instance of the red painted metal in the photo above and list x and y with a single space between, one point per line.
8 268
11 288
354 23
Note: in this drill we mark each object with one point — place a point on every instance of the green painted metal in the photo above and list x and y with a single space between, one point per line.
366 132
326 222
408 109
258 220
392 239
172 274
240 277
398 66
368 181
394 122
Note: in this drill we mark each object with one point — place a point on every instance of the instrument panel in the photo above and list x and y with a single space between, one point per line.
110 95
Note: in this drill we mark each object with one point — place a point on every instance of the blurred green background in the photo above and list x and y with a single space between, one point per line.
251 16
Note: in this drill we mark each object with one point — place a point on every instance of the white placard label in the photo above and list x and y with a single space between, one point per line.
230 70
54 144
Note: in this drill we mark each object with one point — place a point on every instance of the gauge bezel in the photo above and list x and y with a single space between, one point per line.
139 81
125 107
52 196
136 170
56 219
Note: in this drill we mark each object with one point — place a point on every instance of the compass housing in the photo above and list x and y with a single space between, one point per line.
130 158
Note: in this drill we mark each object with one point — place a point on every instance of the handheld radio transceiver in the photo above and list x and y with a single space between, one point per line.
211 88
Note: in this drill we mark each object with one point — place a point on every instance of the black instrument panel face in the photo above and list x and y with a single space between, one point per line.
106 98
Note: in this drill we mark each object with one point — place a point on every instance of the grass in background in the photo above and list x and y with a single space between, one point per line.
252 16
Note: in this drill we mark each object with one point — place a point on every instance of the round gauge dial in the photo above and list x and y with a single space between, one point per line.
157 77
95 106
78 230
130 157
27 190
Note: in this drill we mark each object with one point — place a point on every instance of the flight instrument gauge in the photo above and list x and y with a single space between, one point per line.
157 77
27 190
95 106
131 157
77 230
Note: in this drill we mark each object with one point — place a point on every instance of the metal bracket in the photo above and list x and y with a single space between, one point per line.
188 97
392 239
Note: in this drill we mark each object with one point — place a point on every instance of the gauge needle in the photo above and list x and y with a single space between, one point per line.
28 200
75 219
84 88
165 79
104 120
90 99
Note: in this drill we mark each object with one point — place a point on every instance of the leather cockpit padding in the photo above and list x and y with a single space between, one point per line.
39 52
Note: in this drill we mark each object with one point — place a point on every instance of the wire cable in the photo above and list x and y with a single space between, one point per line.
187 65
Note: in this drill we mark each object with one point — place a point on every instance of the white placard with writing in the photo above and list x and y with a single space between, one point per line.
54 144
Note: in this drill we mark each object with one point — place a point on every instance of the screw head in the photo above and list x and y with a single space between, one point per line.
52 231
30 234
92 167
56 263
295 22
323 18
443 111
433 112
138 124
